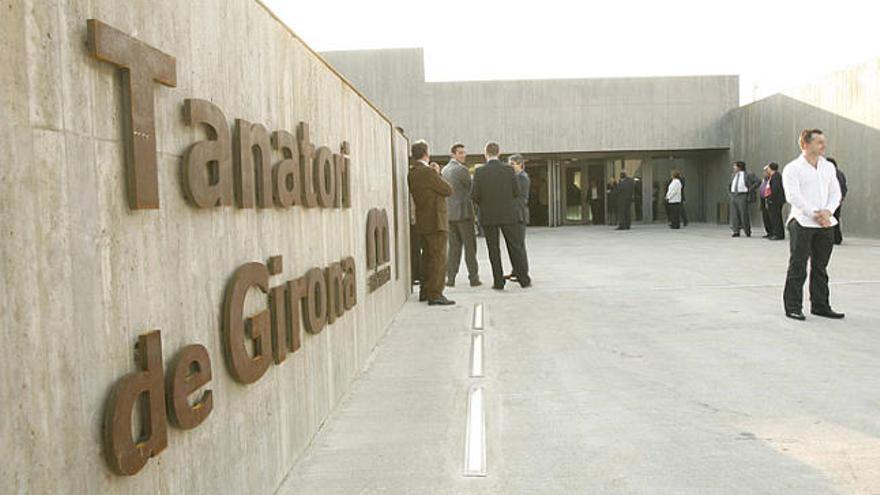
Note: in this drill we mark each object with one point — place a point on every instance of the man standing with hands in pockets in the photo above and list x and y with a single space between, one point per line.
811 186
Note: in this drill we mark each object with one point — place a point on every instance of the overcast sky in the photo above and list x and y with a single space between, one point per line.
770 44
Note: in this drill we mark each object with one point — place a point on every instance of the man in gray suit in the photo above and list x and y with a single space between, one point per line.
521 204
461 218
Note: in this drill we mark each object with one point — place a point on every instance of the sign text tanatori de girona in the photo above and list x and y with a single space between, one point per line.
226 169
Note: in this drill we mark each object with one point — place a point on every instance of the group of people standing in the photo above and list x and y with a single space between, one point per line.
447 204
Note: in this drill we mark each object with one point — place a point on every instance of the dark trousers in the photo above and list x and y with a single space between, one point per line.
674 210
813 245
624 215
684 215
838 236
525 260
513 237
739 213
774 213
462 235
433 264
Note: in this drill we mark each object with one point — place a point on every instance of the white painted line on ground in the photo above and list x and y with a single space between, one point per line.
475 439
476 355
478 316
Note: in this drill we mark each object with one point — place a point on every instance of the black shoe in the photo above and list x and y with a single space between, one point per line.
765 236
450 283
423 297
498 287
735 234
476 283
441 301
827 313
796 315
771 237
748 234
526 285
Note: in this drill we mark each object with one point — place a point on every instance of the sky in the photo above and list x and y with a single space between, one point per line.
771 45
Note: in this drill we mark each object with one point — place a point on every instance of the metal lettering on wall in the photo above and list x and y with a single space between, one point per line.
244 165
378 249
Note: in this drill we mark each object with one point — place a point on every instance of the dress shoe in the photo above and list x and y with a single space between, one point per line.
526 285
796 315
748 234
766 236
441 301
498 287
735 234
476 283
450 283
827 313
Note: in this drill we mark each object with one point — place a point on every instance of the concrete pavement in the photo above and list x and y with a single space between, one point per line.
648 361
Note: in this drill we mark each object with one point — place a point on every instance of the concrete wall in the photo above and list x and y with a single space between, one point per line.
83 275
846 106
535 116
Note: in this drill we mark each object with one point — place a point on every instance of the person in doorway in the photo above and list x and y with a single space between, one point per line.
673 200
495 188
521 205
611 193
775 200
841 179
683 213
595 200
812 188
429 192
763 194
742 185
625 190
460 212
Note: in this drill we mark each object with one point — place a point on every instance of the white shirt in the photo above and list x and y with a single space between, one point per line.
738 184
810 189
673 193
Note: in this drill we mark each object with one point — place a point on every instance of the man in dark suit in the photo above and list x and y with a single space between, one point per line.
429 192
841 179
625 189
461 218
774 202
521 204
495 188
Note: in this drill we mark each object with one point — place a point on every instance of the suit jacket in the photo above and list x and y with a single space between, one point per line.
751 181
777 193
841 179
495 187
625 189
429 192
522 201
459 205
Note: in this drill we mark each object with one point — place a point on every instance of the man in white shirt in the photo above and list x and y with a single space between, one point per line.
673 200
741 185
811 186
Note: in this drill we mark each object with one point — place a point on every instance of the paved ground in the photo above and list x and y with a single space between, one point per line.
648 361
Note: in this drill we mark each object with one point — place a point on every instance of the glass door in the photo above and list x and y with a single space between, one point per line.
574 205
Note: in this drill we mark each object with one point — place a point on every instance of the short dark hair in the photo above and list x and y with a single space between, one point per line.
455 147
773 166
419 149
833 161
492 148
740 165
516 158
676 173
807 135
623 174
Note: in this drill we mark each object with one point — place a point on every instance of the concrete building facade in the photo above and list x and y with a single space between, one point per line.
579 132
86 276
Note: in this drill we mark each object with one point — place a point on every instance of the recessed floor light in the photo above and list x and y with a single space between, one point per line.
475 438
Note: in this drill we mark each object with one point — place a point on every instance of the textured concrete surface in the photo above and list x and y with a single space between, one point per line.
641 362
82 275
547 115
